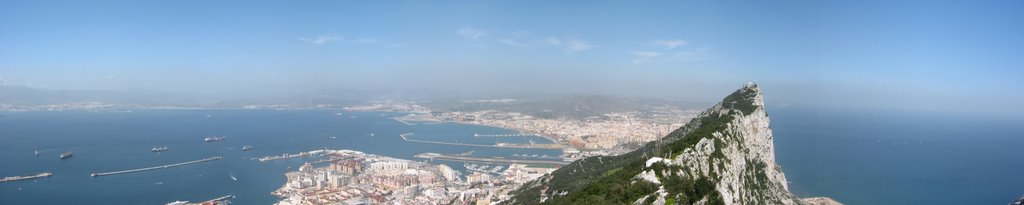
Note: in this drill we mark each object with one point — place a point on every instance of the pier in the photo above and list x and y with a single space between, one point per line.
287 156
496 145
218 200
489 160
155 168
399 119
506 135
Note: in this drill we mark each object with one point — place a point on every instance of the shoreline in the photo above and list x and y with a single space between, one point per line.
425 121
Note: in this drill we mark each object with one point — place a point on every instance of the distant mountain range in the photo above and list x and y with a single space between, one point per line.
26 96
20 95
724 156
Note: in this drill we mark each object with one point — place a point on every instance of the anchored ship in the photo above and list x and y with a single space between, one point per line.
214 139
65 155
16 178
159 149
247 148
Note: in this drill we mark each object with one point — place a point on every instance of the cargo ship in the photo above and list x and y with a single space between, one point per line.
16 178
159 149
213 139
247 148
65 155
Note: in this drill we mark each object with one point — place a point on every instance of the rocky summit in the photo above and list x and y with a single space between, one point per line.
723 156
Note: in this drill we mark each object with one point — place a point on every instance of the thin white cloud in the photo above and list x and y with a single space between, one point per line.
570 45
365 41
554 41
686 55
578 45
669 44
322 39
691 56
644 56
518 39
470 33
512 42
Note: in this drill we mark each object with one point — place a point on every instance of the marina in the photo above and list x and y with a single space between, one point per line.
483 168
154 168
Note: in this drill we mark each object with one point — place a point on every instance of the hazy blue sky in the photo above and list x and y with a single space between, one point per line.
940 53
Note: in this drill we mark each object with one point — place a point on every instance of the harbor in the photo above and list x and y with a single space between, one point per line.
154 168
438 156
240 172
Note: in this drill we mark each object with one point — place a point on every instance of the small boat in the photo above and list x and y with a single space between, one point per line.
213 138
159 149
178 203
65 155
37 153
247 147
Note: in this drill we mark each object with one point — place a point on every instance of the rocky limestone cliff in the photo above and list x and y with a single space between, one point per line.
724 156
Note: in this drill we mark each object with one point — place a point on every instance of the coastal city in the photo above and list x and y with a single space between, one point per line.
608 134
353 177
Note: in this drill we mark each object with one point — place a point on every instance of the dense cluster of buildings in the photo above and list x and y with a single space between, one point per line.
389 107
594 133
351 177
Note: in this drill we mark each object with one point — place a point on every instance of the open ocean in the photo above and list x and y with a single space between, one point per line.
900 157
856 158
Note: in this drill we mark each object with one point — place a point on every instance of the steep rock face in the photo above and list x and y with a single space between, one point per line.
724 156
741 155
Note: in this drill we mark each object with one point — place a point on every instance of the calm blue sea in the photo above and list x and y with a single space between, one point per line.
900 157
109 141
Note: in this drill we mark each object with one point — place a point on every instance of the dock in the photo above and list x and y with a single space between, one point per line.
489 160
155 168
218 200
287 156
506 135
